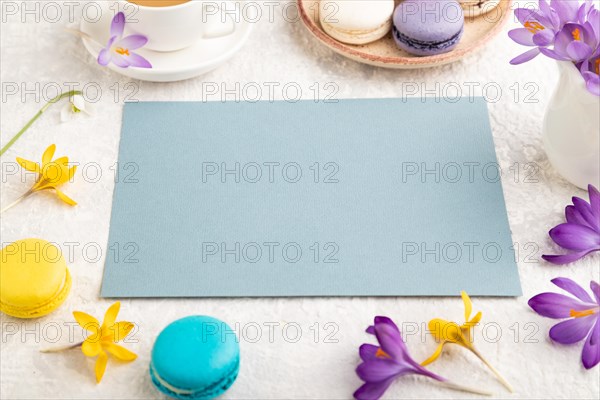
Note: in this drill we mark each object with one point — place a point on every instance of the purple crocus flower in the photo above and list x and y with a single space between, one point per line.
382 364
581 232
564 30
118 50
583 313
539 28
574 42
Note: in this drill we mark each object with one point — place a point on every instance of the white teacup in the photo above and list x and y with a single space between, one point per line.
175 27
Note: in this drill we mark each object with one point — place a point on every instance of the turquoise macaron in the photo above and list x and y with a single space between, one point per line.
196 357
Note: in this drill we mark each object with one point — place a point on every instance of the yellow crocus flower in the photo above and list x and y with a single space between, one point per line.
104 338
51 174
451 332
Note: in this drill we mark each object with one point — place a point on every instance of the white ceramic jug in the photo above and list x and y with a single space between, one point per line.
571 130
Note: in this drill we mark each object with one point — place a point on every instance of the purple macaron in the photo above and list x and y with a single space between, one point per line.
428 27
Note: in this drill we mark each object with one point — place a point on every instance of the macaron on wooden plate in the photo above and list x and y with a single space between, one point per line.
384 53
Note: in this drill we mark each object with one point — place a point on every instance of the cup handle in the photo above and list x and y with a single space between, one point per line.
214 27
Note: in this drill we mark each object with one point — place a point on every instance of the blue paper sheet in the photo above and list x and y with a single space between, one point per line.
379 197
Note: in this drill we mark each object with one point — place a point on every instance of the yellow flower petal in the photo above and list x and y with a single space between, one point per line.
91 347
48 154
447 331
29 165
475 320
65 198
54 175
86 321
117 331
72 172
61 161
468 304
119 352
435 355
101 362
111 316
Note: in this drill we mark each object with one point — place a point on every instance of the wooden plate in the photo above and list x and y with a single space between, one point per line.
384 53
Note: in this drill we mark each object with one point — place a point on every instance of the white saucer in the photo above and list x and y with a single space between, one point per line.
198 59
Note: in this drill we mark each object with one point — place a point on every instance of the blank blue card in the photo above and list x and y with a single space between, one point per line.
379 197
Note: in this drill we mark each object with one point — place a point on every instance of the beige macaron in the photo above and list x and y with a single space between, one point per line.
356 21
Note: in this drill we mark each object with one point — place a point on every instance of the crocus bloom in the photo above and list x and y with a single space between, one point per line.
539 28
76 105
104 338
119 49
574 42
583 315
581 232
450 332
382 364
564 30
51 175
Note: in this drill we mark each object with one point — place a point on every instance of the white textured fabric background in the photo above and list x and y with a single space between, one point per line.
317 361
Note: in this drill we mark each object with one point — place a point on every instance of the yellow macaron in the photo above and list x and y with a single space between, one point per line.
34 278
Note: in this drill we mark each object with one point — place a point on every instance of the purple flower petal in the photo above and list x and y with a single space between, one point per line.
120 61
582 13
564 37
132 42
367 352
543 38
524 14
578 51
572 330
596 290
104 57
117 25
594 200
590 35
594 20
573 216
575 237
521 36
527 56
573 288
567 258
585 209
372 390
555 305
592 82
566 10
370 330
552 19
553 54
381 369
389 338
111 41
135 60
591 349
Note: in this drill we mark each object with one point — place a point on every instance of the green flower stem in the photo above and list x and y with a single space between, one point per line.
17 201
36 116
